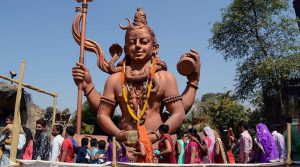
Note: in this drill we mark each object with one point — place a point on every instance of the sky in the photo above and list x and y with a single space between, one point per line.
39 32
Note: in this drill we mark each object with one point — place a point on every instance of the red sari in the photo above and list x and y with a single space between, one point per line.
169 157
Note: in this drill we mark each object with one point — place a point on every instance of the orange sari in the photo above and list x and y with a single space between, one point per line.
145 140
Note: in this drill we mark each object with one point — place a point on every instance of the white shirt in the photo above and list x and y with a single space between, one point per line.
280 143
56 147
246 145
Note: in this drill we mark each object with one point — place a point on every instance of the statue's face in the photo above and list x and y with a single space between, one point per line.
139 46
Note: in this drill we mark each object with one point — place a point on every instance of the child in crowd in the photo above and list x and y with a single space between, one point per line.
101 154
82 155
93 151
6 135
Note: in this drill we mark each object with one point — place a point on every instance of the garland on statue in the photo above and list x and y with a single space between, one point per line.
136 115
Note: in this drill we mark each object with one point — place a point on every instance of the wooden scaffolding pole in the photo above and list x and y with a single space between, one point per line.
289 142
17 120
114 153
29 86
54 110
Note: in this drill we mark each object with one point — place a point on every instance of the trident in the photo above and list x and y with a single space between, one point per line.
83 11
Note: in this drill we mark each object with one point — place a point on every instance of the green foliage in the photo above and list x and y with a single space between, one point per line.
225 109
89 120
263 39
88 129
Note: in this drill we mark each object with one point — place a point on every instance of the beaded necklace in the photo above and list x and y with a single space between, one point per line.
137 115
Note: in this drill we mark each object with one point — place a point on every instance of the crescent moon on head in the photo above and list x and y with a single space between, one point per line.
129 26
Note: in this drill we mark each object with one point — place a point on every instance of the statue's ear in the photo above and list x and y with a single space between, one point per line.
125 49
156 48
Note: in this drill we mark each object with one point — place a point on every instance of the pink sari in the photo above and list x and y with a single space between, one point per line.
210 151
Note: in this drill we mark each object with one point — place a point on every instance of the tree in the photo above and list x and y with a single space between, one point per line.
264 40
223 109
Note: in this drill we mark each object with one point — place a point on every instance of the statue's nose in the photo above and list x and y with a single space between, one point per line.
137 43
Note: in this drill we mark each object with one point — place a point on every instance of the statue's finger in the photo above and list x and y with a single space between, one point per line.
194 51
82 66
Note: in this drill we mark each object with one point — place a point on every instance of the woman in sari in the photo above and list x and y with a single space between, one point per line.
121 152
196 148
166 146
266 143
210 142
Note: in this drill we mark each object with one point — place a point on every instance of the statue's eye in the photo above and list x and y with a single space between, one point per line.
131 41
145 40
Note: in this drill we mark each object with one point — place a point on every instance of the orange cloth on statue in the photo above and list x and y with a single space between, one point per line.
145 140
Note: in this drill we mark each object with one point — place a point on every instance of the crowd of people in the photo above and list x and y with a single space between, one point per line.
209 146
191 147
55 148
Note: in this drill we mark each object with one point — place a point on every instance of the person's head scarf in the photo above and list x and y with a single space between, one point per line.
266 142
208 131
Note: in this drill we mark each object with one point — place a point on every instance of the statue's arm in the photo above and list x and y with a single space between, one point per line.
173 103
106 108
188 95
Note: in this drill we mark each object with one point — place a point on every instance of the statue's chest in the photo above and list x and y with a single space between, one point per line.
137 93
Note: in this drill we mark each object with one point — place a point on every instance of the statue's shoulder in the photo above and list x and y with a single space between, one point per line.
165 75
114 77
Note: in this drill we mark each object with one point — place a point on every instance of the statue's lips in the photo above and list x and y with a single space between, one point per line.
139 54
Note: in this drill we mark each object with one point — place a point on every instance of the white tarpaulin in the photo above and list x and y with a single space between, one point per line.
38 163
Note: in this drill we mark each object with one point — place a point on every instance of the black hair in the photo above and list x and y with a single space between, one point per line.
10 117
41 122
164 128
243 124
59 128
179 135
194 133
223 130
288 119
70 130
225 138
101 144
84 141
272 128
94 142
110 138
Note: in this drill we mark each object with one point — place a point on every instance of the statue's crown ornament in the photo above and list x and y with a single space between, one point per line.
140 20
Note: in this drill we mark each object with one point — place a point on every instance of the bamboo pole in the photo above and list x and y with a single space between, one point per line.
29 86
53 114
114 152
54 110
289 145
17 120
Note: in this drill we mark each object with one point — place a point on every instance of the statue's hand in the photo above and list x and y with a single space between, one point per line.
81 75
195 76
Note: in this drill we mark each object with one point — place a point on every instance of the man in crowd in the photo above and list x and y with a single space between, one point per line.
68 146
56 142
280 143
245 142
41 141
